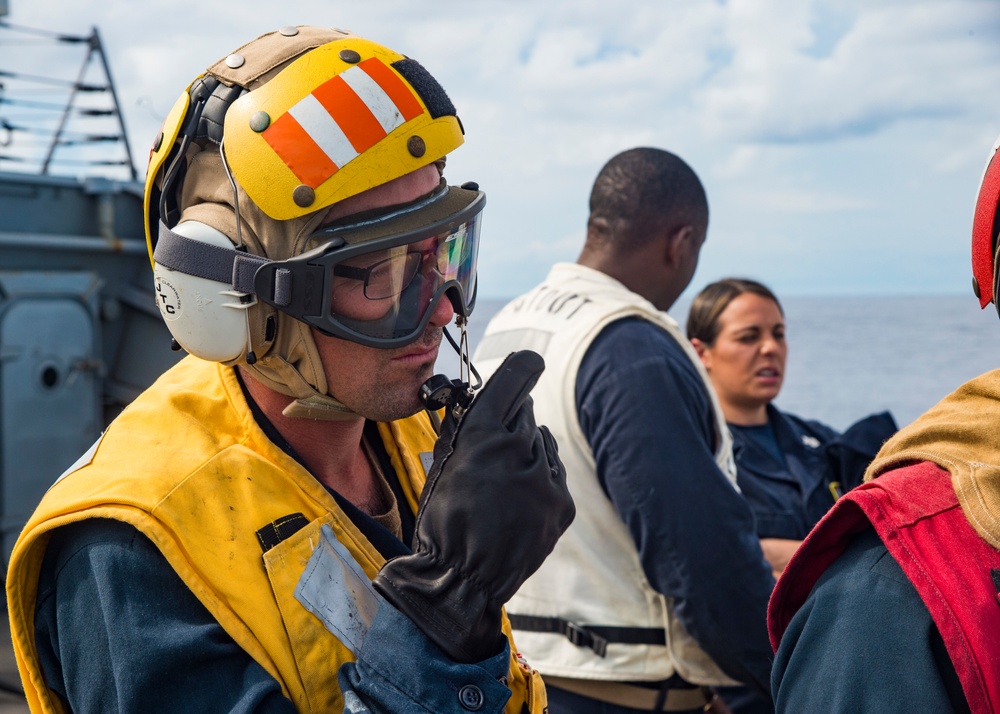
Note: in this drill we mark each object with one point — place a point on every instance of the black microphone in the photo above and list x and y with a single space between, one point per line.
439 392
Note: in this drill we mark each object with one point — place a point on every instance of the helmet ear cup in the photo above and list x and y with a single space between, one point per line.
206 317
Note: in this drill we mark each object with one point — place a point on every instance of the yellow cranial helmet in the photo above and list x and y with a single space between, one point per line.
309 116
239 180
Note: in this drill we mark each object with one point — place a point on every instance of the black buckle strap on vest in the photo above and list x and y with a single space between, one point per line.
281 529
595 637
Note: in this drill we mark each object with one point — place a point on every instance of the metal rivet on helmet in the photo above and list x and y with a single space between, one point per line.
289 31
303 196
235 61
350 56
158 141
259 121
416 146
975 286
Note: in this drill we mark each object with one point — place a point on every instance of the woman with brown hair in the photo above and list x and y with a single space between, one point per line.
790 469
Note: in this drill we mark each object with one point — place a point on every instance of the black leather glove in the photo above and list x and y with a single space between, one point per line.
493 507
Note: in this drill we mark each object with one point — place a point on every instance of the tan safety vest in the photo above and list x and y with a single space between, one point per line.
189 467
594 576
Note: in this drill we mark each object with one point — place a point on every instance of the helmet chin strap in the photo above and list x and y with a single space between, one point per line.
320 407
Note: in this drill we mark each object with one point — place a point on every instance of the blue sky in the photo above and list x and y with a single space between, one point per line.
840 142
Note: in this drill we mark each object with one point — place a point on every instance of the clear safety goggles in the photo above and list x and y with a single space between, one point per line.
377 280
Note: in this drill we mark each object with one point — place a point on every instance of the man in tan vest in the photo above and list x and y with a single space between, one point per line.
658 591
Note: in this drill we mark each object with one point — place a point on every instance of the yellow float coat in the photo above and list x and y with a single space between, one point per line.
188 466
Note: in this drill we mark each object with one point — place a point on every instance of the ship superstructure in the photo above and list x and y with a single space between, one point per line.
80 335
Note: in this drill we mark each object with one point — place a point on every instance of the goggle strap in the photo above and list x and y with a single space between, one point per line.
224 265
282 287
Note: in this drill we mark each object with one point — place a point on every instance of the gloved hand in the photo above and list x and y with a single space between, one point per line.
493 507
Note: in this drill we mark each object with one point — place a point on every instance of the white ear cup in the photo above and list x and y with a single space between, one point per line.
206 317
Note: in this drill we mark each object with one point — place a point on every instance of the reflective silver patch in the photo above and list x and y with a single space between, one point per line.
353 703
335 589
84 460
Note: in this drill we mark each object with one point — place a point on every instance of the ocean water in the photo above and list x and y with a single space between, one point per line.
852 356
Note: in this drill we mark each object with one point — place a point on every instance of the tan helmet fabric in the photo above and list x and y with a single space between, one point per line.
959 434
287 358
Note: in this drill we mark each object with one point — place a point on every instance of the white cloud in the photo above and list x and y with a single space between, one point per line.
819 127
924 59
803 201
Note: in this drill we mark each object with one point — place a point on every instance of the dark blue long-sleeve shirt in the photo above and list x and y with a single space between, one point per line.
864 643
647 416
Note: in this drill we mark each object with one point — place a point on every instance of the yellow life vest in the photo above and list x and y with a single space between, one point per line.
188 466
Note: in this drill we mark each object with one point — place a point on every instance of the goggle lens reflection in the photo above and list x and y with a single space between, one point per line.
388 294
387 273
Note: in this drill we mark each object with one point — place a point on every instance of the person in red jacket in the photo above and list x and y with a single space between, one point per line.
892 604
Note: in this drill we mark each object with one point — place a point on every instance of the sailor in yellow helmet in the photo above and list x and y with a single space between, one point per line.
276 524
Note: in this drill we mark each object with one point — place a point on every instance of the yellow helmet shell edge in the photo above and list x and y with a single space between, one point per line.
158 153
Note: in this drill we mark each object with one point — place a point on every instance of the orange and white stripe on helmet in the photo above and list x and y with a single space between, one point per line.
326 128
340 119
